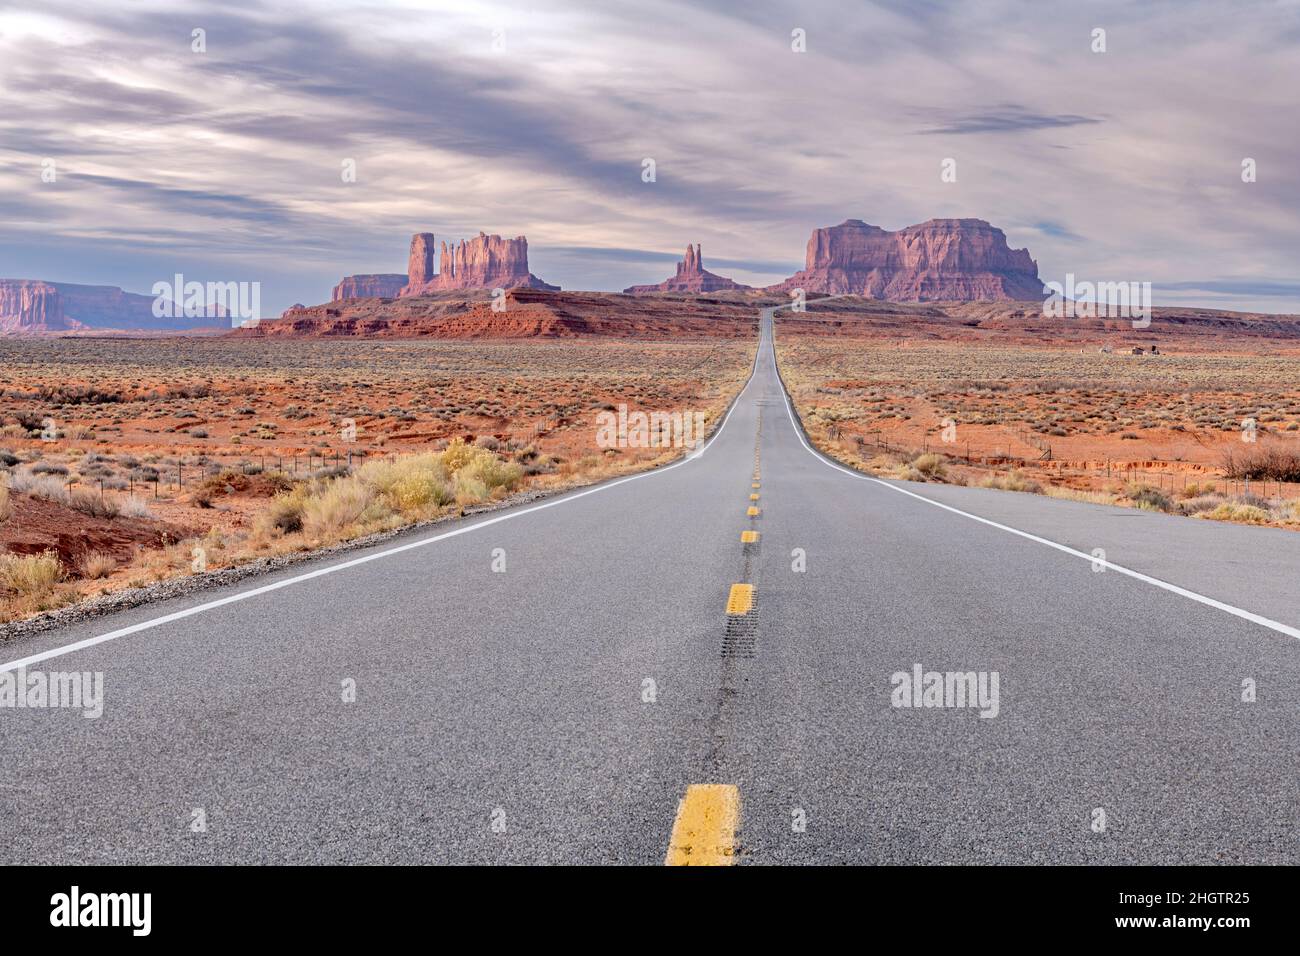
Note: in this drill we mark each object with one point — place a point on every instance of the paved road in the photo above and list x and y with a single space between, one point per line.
504 717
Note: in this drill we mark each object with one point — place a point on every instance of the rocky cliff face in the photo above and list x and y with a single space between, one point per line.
938 260
385 285
31 305
691 277
484 262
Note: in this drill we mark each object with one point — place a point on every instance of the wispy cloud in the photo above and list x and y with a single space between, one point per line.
1056 230
1008 120
537 119
1285 288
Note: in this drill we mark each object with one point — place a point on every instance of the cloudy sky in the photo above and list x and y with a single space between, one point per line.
535 118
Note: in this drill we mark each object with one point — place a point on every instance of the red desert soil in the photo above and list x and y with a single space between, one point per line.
182 425
38 525
1066 400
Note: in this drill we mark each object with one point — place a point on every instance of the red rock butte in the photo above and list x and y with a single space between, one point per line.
938 260
484 262
691 277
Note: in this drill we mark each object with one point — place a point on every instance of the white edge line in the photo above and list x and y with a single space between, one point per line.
387 552
1138 575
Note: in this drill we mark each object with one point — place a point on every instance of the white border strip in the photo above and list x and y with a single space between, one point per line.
1137 575
387 552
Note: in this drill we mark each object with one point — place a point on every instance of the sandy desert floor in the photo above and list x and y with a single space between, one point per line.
120 455
1068 419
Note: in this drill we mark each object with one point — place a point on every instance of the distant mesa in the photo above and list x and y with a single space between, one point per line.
691 277
384 285
484 262
30 305
939 260
33 305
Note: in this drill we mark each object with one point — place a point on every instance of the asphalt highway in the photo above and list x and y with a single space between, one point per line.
611 696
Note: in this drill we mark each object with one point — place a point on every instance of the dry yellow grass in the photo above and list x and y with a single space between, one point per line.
30 575
390 493
930 465
338 507
1230 511
96 565
1011 481
413 483
1075 494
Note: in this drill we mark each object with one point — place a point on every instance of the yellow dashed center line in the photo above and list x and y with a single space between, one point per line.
704 833
741 599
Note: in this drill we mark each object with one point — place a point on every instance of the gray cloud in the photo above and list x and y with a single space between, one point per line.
233 155
1057 231
1285 288
1008 120
205 202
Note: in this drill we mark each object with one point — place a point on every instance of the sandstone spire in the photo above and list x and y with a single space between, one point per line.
688 265
419 267
691 277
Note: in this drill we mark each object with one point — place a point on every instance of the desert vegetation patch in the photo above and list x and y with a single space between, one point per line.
127 461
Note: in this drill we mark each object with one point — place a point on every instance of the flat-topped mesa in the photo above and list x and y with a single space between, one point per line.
34 305
691 277
381 285
484 262
938 260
